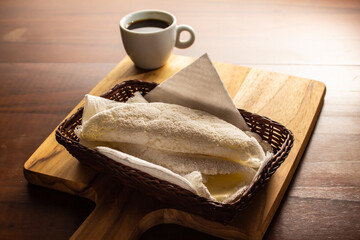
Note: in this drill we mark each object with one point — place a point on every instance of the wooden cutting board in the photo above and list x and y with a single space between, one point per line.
123 213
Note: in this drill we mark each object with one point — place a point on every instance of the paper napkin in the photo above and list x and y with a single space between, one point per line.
198 86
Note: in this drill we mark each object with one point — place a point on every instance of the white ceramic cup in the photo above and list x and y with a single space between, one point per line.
150 50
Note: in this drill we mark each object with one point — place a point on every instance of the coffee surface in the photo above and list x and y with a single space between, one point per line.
147 25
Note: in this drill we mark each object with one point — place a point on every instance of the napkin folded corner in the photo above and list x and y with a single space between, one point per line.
199 86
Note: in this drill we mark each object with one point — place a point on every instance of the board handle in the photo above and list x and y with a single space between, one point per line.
117 214
124 213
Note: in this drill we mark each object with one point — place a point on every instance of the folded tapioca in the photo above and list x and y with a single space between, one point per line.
215 156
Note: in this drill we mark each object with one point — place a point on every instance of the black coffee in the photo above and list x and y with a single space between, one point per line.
147 25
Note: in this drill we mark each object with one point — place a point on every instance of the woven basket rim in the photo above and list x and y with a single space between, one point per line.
270 167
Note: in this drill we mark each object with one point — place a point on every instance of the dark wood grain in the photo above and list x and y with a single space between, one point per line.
256 32
33 99
53 52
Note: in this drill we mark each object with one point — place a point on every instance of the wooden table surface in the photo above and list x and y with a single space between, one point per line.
53 52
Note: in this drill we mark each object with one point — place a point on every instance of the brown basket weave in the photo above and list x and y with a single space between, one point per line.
280 138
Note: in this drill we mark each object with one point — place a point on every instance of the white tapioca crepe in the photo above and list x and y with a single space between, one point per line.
173 128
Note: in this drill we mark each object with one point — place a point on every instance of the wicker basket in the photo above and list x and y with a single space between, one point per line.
280 138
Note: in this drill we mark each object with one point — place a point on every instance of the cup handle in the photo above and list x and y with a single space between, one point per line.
187 43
